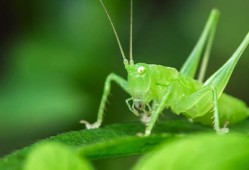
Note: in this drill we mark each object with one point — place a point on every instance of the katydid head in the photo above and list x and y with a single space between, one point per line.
139 82
139 75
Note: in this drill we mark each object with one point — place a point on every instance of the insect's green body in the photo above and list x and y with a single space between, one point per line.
154 88
155 81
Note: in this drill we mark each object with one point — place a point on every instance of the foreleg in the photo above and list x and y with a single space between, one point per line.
107 88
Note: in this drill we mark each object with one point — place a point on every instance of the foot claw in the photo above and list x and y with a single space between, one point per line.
140 134
222 131
89 125
147 133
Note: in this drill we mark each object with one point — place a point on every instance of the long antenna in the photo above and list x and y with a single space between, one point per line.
131 25
115 32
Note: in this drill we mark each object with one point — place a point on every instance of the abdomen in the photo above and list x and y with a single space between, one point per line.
231 110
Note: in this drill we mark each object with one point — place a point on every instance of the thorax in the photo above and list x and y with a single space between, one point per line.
164 77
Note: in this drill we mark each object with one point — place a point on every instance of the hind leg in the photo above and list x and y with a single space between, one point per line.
199 103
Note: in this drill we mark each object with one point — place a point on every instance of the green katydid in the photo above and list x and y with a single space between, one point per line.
154 88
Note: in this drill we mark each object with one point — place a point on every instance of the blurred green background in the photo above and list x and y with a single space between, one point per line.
55 56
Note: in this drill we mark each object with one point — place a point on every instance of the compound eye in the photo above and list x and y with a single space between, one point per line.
141 70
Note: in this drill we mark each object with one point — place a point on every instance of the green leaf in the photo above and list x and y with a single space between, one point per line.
51 156
123 147
94 144
203 151
117 140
